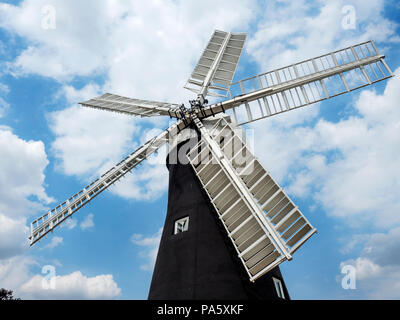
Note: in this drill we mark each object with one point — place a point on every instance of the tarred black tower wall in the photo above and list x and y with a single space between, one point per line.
201 263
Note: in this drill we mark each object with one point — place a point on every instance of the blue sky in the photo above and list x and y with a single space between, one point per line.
338 160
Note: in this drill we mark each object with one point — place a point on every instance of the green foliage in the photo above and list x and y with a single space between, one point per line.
7 295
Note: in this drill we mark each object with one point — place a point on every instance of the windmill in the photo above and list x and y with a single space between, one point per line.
229 224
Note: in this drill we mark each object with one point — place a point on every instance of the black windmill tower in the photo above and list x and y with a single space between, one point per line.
229 224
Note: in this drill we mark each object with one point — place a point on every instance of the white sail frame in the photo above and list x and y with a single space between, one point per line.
264 225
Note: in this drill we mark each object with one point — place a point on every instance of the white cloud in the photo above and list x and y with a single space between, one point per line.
285 137
69 224
145 183
138 65
64 50
152 64
13 236
4 88
351 243
292 31
74 95
55 241
383 248
87 223
22 192
15 274
72 286
378 266
151 244
23 163
15 271
89 141
348 166
365 268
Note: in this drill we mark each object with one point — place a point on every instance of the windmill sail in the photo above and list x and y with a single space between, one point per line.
217 65
136 107
265 226
47 222
303 83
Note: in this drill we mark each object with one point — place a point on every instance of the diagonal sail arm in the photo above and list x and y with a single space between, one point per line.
303 83
214 71
47 222
136 107
265 226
